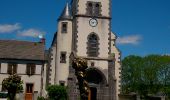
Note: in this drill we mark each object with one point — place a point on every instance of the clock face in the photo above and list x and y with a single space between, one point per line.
93 22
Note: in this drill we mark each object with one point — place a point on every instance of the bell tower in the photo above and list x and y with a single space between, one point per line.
92 40
91 17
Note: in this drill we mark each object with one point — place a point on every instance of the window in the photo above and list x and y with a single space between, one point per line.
93 8
92 64
30 69
93 45
63 57
62 83
12 68
64 27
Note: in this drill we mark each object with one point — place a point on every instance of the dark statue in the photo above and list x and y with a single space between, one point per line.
80 66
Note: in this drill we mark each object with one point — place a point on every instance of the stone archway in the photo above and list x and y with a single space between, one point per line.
97 83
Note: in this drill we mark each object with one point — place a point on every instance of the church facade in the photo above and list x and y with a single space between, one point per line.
84 30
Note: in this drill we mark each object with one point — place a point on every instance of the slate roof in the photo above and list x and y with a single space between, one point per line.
66 14
13 49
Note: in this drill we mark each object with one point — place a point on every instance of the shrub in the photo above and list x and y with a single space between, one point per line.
57 92
12 84
3 95
40 98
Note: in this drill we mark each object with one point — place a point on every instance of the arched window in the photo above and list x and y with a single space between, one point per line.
93 45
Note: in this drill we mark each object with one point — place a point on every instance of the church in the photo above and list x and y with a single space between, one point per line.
84 30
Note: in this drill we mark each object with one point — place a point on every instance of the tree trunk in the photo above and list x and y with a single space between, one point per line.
11 95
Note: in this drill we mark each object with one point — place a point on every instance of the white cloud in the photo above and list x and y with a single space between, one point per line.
31 33
7 28
132 39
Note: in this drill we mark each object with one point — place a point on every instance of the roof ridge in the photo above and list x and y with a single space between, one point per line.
19 40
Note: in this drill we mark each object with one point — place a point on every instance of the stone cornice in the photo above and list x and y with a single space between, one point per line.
87 16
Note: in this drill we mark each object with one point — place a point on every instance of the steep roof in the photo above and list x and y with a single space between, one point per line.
13 49
54 39
66 14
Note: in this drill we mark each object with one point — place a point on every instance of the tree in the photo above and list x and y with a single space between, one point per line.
131 75
12 84
152 64
57 92
146 75
164 75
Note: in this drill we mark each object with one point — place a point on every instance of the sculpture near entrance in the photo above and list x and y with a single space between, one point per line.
80 66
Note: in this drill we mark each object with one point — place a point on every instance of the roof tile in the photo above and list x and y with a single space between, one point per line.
13 49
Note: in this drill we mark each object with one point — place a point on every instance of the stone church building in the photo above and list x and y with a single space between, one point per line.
84 30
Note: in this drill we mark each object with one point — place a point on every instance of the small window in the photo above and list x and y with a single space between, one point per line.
92 64
62 83
64 27
63 57
90 4
30 69
12 68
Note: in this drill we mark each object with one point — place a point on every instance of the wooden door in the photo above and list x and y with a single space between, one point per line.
29 92
89 96
92 93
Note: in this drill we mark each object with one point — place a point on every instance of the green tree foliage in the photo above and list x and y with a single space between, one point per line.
40 98
57 92
131 75
164 75
12 84
146 75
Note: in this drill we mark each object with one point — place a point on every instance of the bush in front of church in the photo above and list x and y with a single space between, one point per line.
57 92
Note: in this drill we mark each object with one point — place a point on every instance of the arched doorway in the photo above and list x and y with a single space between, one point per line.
96 80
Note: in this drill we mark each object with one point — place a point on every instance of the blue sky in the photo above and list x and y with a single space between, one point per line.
142 26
